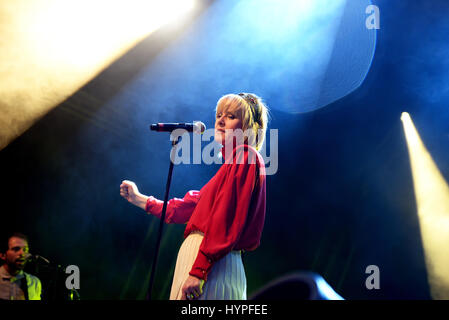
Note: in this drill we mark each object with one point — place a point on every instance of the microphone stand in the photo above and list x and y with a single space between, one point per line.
52 276
164 209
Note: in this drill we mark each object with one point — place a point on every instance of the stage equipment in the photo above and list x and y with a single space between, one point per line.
197 127
302 285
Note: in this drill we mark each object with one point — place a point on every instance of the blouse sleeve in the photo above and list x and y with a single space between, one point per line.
178 210
230 212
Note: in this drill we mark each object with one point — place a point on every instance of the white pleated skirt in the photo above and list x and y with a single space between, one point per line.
225 281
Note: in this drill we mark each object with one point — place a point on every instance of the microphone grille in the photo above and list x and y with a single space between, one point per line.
199 127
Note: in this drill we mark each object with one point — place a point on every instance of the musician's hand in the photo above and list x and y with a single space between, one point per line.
130 192
192 288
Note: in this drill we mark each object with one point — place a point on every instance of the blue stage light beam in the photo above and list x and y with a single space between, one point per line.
305 54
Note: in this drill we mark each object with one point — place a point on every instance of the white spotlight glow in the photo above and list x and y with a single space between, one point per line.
405 116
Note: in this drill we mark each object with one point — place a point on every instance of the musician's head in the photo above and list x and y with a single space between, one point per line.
14 251
245 111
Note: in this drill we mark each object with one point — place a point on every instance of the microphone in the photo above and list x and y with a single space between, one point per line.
196 127
36 257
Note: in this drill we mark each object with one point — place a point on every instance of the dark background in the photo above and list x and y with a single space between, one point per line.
341 200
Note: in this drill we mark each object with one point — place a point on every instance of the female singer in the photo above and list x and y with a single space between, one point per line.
227 215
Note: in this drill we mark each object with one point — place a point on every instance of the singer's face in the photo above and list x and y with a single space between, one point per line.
15 256
226 120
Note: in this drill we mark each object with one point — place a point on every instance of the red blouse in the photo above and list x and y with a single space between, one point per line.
229 209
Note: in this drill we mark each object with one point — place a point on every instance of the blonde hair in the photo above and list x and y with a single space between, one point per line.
254 115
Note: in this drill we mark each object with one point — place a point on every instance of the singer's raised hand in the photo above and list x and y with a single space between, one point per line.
130 192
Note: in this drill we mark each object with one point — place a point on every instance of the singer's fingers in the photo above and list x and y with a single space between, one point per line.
129 185
124 195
